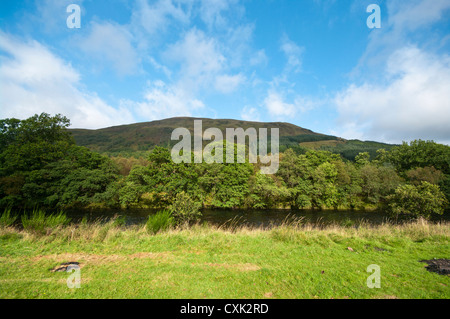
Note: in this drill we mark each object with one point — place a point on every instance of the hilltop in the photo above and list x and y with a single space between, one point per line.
141 137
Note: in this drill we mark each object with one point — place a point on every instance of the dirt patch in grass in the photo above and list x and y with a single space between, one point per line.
439 266
240 267
386 297
95 259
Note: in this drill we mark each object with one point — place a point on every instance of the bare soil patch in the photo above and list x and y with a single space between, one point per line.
439 266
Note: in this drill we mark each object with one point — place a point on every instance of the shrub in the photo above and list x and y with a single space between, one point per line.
184 209
161 221
7 219
423 200
41 223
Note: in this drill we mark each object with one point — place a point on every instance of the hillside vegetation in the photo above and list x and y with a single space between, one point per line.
136 139
40 165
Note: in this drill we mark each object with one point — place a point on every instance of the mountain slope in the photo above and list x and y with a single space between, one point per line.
140 137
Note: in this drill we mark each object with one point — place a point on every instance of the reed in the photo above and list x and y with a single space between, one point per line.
42 223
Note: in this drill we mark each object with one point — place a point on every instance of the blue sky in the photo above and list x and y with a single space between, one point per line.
313 63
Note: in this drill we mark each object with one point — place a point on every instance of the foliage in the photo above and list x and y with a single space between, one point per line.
161 221
119 221
40 165
351 148
265 193
420 153
7 219
184 209
41 223
422 200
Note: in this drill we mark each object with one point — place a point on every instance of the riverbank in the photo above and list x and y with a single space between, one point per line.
288 261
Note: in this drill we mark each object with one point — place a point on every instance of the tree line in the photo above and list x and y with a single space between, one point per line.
40 165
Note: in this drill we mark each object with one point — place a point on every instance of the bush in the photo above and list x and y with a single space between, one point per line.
184 209
41 223
161 221
423 200
7 219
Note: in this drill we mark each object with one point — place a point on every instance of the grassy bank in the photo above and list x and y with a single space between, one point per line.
290 261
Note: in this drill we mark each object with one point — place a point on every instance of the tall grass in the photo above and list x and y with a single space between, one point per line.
161 221
7 219
41 223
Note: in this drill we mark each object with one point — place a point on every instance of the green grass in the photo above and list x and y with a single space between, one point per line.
42 223
7 219
161 221
290 261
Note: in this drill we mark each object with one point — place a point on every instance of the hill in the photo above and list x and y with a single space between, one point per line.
137 138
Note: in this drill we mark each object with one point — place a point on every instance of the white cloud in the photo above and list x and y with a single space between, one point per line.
414 14
156 17
212 12
276 106
405 20
250 114
51 15
414 101
202 64
293 54
199 57
34 80
112 42
259 57
229 83
163 101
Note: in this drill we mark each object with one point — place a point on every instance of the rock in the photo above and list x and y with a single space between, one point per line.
64 266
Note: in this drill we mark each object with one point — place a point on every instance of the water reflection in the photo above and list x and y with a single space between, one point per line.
253 217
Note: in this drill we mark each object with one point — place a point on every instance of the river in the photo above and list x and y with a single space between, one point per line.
254 217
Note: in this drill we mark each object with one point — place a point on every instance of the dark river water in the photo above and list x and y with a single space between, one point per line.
254 217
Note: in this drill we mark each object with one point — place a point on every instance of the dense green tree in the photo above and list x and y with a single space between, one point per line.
362 159
420 153
424 174
184 209
422 200
41 165
265 193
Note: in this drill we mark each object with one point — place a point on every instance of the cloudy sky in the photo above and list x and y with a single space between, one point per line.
313 63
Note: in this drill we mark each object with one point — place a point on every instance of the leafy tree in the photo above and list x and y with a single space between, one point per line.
184 209
362 159
41 165
422 200
325 193
232 185
420 154
160 155
424 174
265 193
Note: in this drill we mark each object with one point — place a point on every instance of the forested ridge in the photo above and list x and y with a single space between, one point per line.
135 140
41 165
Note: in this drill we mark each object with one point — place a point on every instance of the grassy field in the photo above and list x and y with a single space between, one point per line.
290 261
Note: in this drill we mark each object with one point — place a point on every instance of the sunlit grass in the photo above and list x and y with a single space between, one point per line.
7 218
294 260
